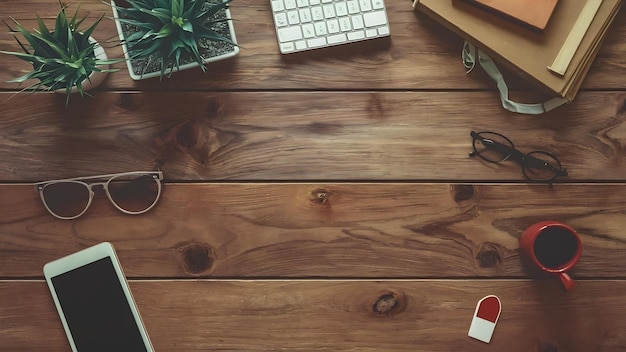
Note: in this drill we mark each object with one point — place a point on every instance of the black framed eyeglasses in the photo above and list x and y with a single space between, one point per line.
537 166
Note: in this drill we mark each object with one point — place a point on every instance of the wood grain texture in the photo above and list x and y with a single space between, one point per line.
353 316
301 136
322 201
420 54
323 230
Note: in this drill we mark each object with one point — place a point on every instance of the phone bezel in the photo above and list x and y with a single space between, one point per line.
82 258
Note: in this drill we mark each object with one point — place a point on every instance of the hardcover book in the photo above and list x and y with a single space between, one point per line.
534 13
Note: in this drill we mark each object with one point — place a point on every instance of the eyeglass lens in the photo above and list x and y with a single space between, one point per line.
134 193
66 199
492 147
541 166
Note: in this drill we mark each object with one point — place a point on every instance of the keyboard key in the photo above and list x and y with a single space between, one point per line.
373 19
308 30
318 13
333 26
366 5
305 15
277 5
289 34
301 45
287 47
329 11
320 28
345 24
293 17
353 7
280 19
357 22
338 38
341 9
358 35
290 4
317 42
378 4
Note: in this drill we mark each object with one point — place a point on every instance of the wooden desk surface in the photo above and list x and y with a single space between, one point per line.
320 202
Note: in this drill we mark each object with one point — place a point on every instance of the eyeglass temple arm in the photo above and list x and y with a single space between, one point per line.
159 174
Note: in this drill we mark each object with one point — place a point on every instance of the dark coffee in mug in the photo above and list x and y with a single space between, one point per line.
555 246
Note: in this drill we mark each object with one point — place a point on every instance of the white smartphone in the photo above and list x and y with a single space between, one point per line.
94 302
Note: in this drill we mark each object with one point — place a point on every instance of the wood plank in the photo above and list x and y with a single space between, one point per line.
350 316
333 230
301 136
420 55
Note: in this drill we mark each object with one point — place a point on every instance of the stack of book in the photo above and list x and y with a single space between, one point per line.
551 43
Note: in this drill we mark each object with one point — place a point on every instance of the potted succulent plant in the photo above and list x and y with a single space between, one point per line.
65 59
160 37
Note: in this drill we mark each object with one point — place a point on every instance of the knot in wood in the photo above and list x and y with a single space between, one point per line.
187 135
622 109
320 196
462 192
213 109
375 107
547 346
389 303
488 255
197 257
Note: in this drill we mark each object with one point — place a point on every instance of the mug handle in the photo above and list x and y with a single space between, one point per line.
567 281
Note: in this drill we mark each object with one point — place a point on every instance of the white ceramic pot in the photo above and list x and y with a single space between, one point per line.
95 78
135 76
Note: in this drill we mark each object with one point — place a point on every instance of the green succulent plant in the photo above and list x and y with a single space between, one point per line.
62 58
169 30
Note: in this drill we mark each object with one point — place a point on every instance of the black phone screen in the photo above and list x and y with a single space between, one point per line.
96 309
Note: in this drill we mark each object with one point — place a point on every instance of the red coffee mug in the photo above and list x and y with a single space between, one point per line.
553 247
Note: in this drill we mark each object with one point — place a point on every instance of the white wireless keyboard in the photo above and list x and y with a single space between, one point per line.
309 24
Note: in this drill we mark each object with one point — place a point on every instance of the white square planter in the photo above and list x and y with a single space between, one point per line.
157 73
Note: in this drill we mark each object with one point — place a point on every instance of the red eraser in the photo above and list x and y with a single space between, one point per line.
485 318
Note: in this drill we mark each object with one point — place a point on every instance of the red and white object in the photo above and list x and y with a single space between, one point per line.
485 318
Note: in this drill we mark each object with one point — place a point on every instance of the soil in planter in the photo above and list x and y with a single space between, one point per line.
206 48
